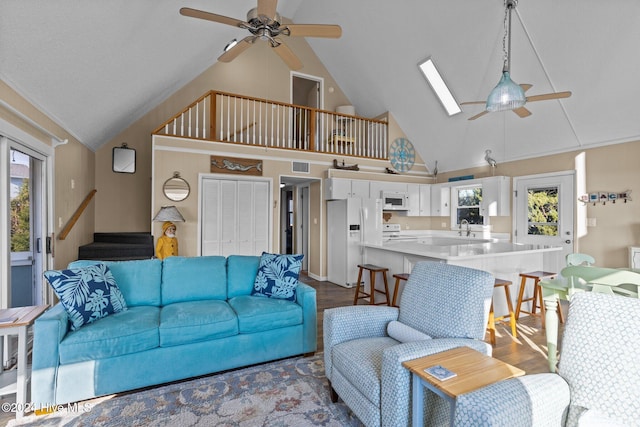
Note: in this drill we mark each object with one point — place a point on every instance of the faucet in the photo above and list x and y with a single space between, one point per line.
464 221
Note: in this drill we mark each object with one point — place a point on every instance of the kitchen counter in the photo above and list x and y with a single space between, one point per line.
504 260
462 251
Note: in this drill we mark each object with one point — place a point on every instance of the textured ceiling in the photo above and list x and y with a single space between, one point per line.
96 66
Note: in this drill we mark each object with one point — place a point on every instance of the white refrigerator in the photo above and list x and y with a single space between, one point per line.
350 223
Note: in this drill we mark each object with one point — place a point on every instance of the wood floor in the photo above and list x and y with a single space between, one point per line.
528 351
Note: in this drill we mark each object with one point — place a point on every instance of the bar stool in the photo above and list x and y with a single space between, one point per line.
512 317
398 277
373 270
536 299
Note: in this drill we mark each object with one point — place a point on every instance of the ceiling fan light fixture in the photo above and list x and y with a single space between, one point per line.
230 45
507 95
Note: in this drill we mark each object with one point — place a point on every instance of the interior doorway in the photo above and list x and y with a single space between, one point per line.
295 217
306 91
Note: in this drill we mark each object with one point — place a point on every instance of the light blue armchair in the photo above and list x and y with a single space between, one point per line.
442 307
598 380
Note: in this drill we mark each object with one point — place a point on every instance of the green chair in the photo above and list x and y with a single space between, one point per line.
580 259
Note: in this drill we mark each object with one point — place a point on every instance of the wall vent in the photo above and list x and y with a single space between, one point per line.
300 167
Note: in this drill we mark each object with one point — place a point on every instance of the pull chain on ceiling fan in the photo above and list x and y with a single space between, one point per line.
508 95
264 23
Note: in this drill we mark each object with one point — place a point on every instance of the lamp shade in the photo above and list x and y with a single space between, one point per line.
169 213
507 95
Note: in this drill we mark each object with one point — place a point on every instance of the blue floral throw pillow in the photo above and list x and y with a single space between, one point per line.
87 294
278 276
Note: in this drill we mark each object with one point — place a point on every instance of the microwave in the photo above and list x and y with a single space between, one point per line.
395 201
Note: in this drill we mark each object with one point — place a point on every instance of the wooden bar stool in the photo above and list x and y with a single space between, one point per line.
373 270
536 299
512 316
398 277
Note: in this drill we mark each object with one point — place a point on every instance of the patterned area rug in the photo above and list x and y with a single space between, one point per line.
290 392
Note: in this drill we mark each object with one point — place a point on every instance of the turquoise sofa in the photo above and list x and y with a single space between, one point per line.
186 317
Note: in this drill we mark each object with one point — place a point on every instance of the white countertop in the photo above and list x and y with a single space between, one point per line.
462 251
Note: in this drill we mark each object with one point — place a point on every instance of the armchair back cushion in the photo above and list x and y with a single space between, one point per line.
599 358
435 291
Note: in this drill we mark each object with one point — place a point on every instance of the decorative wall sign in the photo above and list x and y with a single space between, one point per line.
234 165
402 155
604 197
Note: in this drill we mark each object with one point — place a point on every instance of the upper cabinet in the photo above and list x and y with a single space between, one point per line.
419 199
342 188
495 196
441 199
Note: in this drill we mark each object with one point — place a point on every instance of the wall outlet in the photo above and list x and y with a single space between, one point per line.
591 222
443 225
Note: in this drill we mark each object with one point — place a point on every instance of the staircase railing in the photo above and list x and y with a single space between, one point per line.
227 117
78 213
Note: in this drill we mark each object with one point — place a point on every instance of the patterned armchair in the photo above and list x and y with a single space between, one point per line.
598 380
442 307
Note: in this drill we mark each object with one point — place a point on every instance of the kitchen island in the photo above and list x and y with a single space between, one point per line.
504 260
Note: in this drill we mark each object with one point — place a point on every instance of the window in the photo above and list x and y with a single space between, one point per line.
542 217
467 204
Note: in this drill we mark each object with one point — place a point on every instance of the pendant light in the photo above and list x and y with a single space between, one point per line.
507 95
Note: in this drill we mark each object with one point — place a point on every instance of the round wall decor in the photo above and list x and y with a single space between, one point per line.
402 155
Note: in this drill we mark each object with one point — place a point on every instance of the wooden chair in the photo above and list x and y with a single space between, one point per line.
579 259
398 277
536 299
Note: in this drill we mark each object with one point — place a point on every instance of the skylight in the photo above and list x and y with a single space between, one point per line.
438 85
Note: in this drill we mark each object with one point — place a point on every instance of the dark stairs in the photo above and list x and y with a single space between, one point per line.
118 247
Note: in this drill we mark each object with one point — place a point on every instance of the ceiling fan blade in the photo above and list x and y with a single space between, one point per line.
315 30
477 116
522 112
232 53
473 102
267 8
525 86
288 56
200 14
546 96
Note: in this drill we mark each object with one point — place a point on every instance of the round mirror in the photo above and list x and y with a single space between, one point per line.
176 188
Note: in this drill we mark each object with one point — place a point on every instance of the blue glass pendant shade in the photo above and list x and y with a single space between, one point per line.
507 95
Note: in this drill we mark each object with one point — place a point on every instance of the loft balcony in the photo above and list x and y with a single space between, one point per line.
236 119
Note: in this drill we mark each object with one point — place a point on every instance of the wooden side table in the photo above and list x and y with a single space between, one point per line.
474 370
16 321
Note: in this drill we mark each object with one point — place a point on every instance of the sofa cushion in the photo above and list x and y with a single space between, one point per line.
278 276
122 333
139 280
192 321
257 314
194 279
241 274
87 294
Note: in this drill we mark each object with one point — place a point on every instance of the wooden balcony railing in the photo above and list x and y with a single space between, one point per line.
226 117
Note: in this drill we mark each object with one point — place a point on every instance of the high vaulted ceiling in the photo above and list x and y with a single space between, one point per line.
96 66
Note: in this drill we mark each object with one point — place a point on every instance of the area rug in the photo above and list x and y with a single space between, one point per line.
289 392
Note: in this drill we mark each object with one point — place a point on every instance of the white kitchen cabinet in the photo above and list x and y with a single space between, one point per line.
441 199
235 217
634 257
342 188
419 199
496 200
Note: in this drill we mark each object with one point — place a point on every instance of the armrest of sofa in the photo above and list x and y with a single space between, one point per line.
396 379
48 331
306 298
531 400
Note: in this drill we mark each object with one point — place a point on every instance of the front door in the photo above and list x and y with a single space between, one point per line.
544 210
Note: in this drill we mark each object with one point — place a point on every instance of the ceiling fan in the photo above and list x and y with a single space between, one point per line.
521 111
263 22
508 95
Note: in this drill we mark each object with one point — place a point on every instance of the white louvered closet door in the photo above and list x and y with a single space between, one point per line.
235 217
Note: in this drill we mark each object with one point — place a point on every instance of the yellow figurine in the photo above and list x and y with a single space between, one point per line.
168 243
